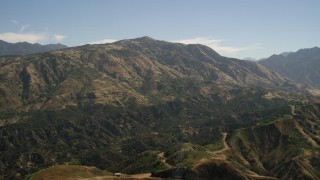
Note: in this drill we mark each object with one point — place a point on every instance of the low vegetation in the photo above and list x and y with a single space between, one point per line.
144 105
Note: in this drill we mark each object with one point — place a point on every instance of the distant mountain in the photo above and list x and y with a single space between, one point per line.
250 59
285 54
23 48
301 66
108 105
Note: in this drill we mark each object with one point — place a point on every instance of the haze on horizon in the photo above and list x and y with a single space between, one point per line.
233 28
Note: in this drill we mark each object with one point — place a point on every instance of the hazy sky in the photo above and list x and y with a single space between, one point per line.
234 28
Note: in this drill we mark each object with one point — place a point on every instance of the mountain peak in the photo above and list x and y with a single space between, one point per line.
140 39
145 38
285 54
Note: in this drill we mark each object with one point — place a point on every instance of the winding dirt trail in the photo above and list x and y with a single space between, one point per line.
163 160
225 145
293 108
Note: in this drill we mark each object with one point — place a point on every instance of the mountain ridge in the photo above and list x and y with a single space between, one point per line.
300 66
24 48
131 62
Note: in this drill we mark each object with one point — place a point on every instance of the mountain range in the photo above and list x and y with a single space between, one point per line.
23 48
301 66
144 105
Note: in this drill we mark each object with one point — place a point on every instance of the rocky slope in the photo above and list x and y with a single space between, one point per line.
99 105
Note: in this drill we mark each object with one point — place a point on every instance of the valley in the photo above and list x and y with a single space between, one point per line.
142 105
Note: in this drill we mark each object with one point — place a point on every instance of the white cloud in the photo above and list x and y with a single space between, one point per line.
14 21
33 37
216 44
199 40
59 37
23 37
30 36
104 41
24 27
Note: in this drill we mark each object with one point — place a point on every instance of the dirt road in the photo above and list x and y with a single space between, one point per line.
225 145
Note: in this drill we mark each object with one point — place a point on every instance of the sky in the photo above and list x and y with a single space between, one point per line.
233 28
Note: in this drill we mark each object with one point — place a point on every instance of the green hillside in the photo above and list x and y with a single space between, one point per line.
132 104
